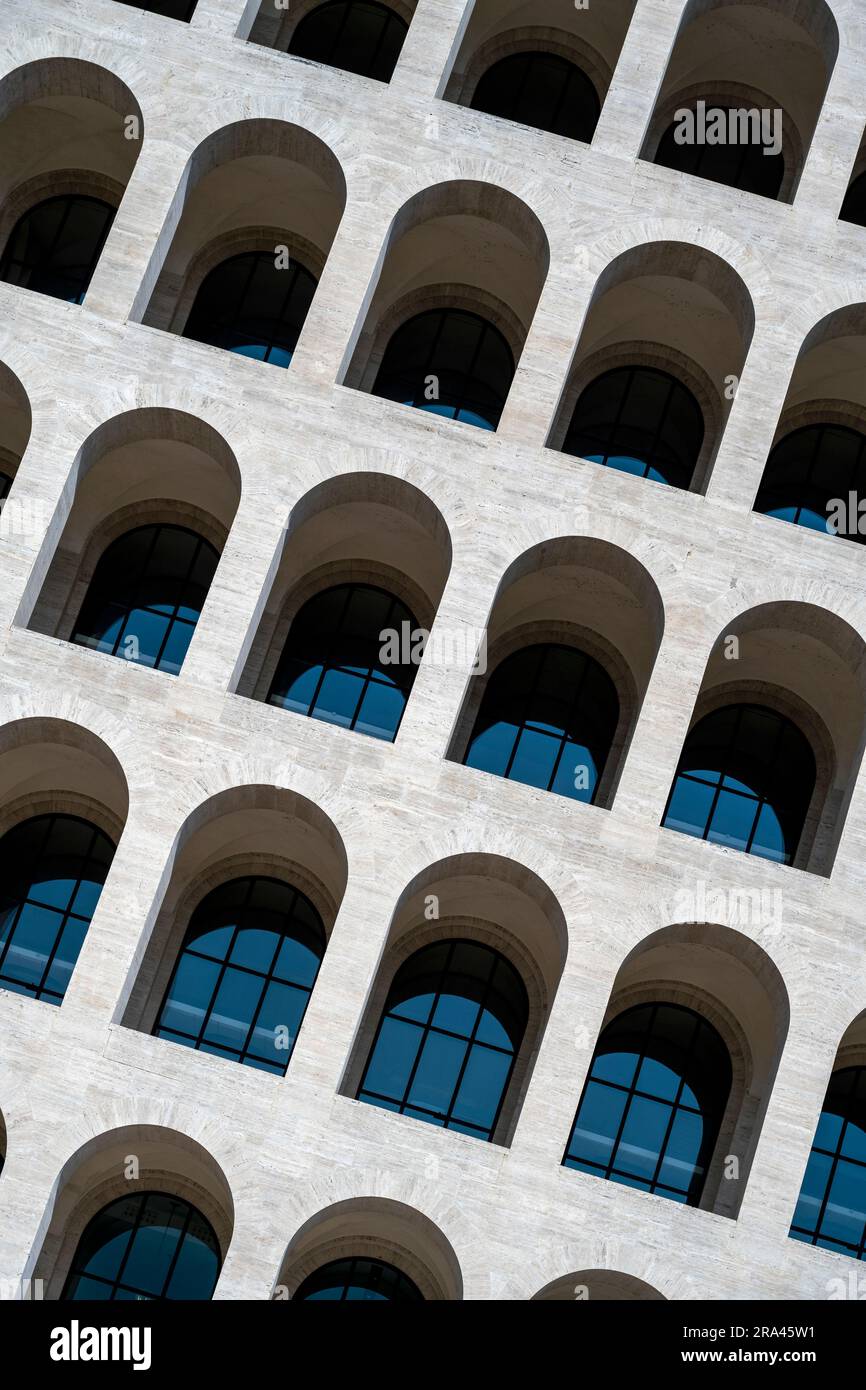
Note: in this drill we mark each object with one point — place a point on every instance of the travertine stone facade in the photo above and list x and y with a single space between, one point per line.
199 775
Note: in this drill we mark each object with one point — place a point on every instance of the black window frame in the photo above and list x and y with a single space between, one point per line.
771 492
96 599
494 701
203 326
728 770
141 1198
243 1056
775 164
9 261
578 88
391 377
404 674
615 1038
99 837
606 440
832 1098
387 1273
393 25
445 973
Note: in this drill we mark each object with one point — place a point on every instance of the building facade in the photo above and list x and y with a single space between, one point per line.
637 358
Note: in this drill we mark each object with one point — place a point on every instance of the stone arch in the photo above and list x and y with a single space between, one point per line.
96 1174
498 903
584 592
377 1228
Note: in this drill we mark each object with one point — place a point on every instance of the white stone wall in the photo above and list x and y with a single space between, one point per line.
515 1219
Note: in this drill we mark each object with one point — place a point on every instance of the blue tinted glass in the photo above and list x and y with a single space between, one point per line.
491 749
490 1030
845 1214
278 1023
338 697
456 1014
301 689
436 1075
769 840
682 1151
812 1192
190 994
597 1124
642 1137
34 937
235 1004
482 1086
296 962
381 710
393 1057
417 1007
689 807
255 948
615 1066
658 1079
68 951
534 758
733 819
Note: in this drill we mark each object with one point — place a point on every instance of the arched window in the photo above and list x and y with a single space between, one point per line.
52 869
348 660
146 596
541 90
745 779
250 306
245 973
450 362
639 420
854 206
356 35
737 163
451 1028
831 1209
55 246
810 470
171 9
358 1280
653 1103
149 1245
547 718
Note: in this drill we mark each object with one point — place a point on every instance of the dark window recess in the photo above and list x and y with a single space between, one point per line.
652 1107
739 165
356 35
171 9
358 1280
745 779
451 363
249 306
55 246
146 596
245 974
146 1246
52 869
336 663
831 1208
809 476
548 718
445 1047
541 90
854 206
638 420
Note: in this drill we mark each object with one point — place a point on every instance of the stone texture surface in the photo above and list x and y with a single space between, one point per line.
515 1220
